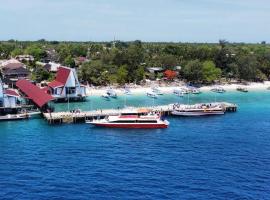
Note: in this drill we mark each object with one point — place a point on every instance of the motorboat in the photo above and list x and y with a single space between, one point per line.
242 89
194 91
178 92
151 94
14 117
157 91
198 110
218 89
105 96
132 120
111 93
127 91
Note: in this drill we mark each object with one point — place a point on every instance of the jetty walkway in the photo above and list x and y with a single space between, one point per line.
82 116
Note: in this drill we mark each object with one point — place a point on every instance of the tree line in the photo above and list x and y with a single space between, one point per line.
126 62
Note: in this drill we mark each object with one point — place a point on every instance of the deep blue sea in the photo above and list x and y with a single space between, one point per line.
221 157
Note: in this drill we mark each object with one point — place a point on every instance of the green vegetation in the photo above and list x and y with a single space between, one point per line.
125 62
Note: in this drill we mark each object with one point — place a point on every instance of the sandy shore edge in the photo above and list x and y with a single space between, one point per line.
143 90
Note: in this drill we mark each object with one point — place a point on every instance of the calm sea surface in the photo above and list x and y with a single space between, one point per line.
222 157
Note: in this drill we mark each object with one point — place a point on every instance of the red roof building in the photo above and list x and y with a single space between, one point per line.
31 91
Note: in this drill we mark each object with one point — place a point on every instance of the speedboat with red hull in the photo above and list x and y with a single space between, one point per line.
133 120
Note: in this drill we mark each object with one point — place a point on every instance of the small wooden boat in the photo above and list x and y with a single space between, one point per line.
218 90
178 92
242 89
127 91
111 93
157 91
151 94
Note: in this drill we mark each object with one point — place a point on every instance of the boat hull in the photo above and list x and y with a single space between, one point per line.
191 114
130 125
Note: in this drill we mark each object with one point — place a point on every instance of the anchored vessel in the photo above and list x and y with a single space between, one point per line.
111 93
198 110
218 90
157 91
132 120
242 89
178 92
151 94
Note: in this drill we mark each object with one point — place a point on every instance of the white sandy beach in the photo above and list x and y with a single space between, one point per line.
169 89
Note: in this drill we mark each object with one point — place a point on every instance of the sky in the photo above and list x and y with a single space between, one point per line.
126 20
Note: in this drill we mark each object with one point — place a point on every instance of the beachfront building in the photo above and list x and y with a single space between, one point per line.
13 70
9 100
66 85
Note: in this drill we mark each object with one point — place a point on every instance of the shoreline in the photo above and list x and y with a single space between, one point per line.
169 89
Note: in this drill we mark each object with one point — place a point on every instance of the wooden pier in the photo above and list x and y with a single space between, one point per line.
81 117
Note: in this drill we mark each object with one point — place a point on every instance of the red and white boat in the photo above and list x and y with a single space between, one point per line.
132 120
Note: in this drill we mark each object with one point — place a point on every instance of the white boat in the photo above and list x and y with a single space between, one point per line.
13 117
185 90
195 91
111 93
218 89
157 91
151 94
131 120
178 92
242 89
105 96
127 91
198 110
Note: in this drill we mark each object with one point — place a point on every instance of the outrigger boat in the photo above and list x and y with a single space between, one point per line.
178 92
198 110
242 89
132 120
157 91
111 93
105 96
193 90
151 94
218 89
127 91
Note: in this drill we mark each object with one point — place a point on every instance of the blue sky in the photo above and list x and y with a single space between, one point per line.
147 20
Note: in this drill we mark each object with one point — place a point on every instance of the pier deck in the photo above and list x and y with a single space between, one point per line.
80 117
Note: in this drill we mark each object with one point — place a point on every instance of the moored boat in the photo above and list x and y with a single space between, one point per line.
111 93
105 96
157 91
242 89
218 89
198 110
131 120
127 91
151 94
178 92
13 117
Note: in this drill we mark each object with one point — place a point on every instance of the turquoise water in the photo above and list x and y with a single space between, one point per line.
221 157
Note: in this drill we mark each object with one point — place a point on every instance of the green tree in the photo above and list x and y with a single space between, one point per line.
16 52
247 65
193 71
210 72
35 51
69 61
122 74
